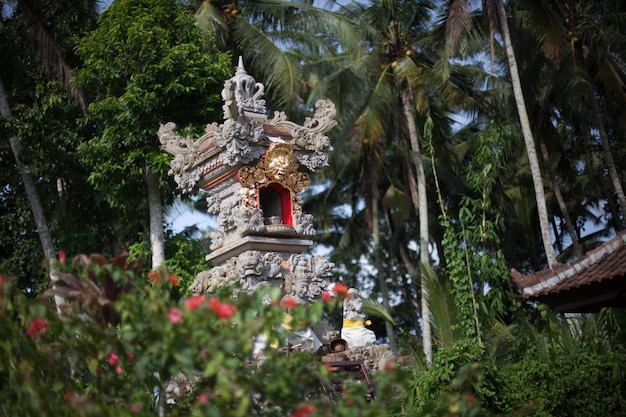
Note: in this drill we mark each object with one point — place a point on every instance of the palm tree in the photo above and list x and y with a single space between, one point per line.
459 18
384 88
583 46
48 51
272 36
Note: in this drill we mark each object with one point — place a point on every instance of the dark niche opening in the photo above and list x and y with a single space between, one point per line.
275 201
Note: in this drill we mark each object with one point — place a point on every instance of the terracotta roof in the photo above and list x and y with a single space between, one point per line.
596 280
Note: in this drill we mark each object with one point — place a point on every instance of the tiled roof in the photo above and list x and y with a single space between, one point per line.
597 277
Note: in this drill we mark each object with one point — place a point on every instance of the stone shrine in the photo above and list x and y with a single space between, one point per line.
253 169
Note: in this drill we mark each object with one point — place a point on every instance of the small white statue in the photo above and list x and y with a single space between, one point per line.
353 330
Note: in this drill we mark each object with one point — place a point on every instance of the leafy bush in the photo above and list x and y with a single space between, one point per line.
580 384
121 338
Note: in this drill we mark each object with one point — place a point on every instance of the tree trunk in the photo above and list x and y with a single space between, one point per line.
605 189
157 239
608 157
528 138
381 274
423 220
39 216
414 273
560 200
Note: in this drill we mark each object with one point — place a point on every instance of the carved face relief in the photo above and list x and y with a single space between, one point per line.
250 263
302 288
280 166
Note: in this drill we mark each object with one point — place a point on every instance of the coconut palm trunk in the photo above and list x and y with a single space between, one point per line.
381 276
560 200
528 137
608 157
39 216
157 239
423 219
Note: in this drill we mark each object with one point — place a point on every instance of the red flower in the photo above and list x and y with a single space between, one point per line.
194 302
303 411
175 315
113 358
119 370
37 326
135 408
223 310
340 288
62 256
326 296
174 280
289 302
154 276
68 395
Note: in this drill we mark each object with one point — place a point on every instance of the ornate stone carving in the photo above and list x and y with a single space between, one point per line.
307 278
298 280
310 139
313 161
220 276
322 271
246 92
255 268
236 139
375 357
303 224
248 221
217 240
184 151
213 204
279 165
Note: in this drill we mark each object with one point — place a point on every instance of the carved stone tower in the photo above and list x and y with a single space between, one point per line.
254 169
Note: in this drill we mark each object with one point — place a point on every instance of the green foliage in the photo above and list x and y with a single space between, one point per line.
576 385
474 264
120 339
450 365
147 63
184 255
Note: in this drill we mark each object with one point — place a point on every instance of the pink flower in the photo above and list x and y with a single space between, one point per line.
203 398
62 256
175 315
223 310
37 326
326 296
119 370
135 408
113 358
194 302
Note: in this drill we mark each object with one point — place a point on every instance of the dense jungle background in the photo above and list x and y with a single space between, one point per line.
473 138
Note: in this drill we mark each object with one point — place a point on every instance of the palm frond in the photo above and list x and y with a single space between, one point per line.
376 309
47 51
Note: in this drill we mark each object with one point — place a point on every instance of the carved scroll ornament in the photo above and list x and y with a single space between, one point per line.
184 151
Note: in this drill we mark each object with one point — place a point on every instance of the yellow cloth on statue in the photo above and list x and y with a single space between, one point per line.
350 324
